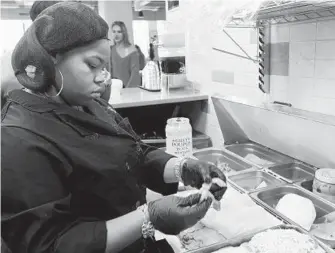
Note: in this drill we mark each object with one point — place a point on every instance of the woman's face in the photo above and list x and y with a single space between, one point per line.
83 72
117 33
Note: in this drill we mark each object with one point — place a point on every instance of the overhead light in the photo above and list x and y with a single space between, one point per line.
140 14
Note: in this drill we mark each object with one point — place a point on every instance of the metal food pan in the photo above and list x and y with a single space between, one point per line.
221 156
245 238
269 198
307 185
259 155
251 181
293 172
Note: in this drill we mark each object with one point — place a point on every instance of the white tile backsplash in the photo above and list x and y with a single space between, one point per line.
325 30
279 83
246 79
303 32
324 88
302 50
280 33
300 91
325 69
301 68
325 50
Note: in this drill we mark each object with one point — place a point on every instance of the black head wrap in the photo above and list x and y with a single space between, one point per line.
39 6
58 29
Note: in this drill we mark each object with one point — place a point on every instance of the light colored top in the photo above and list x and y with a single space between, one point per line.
126 68
134 97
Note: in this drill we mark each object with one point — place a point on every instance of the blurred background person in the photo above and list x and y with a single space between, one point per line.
125 63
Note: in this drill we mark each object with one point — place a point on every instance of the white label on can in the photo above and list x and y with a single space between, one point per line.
181 146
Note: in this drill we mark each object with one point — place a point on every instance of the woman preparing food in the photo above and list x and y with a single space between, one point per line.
73 171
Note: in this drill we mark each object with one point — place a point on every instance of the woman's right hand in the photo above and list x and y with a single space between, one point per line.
173 214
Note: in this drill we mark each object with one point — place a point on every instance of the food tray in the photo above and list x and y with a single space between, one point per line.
249 181
269 199
216 155
258 155
244 238
293 172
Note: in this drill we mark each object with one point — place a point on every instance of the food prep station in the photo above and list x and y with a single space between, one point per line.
266 176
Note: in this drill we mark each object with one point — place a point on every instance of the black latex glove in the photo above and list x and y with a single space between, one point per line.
196 172
173 214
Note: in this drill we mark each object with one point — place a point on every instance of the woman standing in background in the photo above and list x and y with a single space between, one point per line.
124 57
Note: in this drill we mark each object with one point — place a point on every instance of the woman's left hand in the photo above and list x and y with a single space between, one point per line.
196 172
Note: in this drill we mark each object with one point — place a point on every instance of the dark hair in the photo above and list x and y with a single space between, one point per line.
58 29
124 31
151 52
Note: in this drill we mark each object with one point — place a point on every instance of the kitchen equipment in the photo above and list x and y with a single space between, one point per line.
173 72
151 76
116 88
270 197
246 237
299 209
179 137
324 184
325 232
292 172
259 155
250 181
217 156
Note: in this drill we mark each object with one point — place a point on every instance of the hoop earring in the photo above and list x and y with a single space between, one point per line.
61 88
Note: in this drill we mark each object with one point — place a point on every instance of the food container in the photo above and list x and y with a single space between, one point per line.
179 137
258 155
254 180
269 199
245 238
324 184
221 157
293 172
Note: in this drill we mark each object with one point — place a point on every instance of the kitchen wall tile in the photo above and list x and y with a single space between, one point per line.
247 66
219 75
279 51
301 68
300 91
322 105
279 83
325 50
279 67
241 35
280 96
303 32
253 36
246 79
302 50
280 33
324 88
325 69
325 30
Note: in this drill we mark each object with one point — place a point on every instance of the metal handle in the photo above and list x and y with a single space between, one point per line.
282 103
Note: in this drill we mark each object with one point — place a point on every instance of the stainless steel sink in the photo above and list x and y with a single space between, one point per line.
269 198
223 157
259 155
293 172
254 180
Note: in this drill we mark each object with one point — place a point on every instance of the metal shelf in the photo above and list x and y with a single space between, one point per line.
284 11
294 11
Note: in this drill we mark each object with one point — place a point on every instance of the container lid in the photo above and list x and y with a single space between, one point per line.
177 121
326 175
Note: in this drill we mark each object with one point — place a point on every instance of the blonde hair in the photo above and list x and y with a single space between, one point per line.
123 30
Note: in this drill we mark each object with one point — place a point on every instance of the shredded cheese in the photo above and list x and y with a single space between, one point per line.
283 241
